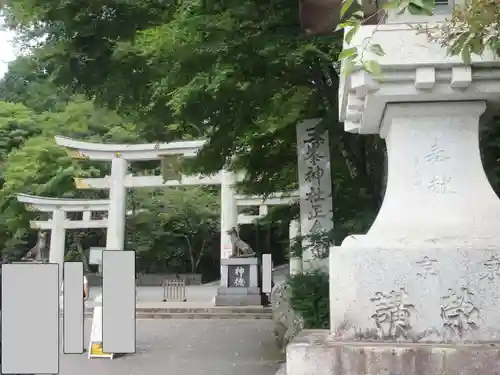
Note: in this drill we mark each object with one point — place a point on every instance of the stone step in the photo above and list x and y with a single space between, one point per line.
212 312
202 310
211 309
198 315
202 316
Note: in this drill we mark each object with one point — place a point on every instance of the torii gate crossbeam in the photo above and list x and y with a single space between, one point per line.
59 222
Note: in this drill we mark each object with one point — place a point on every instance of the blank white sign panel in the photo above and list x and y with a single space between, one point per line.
267 270
30 318
118 301
73 308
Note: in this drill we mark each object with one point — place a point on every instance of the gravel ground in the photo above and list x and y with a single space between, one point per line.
188 347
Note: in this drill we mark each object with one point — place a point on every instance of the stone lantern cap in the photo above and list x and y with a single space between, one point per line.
413 70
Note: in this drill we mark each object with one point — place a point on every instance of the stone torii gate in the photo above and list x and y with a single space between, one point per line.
59 222
121 154
59 207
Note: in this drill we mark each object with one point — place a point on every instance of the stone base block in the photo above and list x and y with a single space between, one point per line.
313 352
238 297
238 300
439 294
238 291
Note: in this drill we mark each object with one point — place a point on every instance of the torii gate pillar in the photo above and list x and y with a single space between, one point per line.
58 241
228 212
115 237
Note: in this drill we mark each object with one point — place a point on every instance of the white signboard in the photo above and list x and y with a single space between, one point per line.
267 273
316 211
95 255
95 345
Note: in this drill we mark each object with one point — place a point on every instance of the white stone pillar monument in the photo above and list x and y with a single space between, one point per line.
229 212
316 210
115 237
418 294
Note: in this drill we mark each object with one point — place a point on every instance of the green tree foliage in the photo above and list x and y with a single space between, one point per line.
238 72
472 29
310 298
28 82
184 219
17 123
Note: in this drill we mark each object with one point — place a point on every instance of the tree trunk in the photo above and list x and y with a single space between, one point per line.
200 255
81 252
191 254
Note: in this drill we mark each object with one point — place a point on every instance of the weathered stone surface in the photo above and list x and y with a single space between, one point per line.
315 187
313 352
188 347
287 323
432 294
418 293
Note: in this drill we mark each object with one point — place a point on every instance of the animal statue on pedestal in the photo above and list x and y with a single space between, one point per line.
241 248
35 253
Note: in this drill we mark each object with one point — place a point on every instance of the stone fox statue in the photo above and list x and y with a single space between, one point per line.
241 248
35 253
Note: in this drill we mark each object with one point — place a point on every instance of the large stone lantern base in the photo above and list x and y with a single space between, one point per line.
313 352
419 293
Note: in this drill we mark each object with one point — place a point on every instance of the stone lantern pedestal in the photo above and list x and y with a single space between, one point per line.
418 293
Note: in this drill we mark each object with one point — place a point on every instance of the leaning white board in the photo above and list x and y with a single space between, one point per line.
95 345
267 270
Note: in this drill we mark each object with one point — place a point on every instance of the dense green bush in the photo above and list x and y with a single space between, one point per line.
310 298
